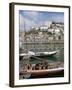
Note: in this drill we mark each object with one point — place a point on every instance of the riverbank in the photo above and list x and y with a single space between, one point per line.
46 42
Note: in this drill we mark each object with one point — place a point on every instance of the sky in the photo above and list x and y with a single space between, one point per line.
38 18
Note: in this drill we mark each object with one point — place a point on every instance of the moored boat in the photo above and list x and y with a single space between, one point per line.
42 73
42 70
31 53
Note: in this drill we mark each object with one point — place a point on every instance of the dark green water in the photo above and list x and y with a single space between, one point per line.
57 57
47 47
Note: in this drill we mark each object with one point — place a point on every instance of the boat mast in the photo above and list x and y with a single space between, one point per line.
25 40
41 40
54 37
34 41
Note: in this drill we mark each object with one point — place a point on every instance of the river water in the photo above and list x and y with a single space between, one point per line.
57 57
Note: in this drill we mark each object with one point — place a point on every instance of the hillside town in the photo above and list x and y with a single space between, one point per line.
49 32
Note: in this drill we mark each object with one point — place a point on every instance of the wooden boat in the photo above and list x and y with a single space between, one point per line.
42 73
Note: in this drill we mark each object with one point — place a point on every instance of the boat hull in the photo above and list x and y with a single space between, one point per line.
38 55
59 72
48 74
43 55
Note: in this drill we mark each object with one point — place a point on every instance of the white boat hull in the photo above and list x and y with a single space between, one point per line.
30 53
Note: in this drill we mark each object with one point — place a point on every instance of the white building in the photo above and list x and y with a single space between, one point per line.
43 27
36 28
57 31
51 30
48 23
50 38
